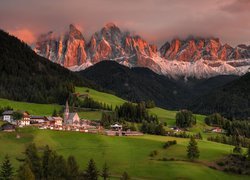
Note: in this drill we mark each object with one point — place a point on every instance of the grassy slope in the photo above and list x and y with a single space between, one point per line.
121 153
101 97
164 115
32 108
129 154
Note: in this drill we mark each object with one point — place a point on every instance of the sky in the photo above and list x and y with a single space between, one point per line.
157 21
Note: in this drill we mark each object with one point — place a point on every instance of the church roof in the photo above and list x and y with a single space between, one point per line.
71 115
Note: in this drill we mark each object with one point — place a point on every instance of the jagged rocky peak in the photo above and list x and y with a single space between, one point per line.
191 57
74 32
67 49
193 49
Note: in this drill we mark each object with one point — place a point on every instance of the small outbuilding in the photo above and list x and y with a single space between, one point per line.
7 127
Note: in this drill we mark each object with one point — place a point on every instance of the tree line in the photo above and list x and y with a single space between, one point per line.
185 119
233 128
231 140
49 165
87 102
134 113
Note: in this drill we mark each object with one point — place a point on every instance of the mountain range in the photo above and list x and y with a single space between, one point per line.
190 58
226 94
26 76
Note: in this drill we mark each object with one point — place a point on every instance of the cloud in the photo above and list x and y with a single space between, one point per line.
238 6
155 20
24 34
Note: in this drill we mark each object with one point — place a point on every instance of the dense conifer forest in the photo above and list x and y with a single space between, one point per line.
25 76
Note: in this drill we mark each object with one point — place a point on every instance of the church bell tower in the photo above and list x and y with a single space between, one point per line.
66 112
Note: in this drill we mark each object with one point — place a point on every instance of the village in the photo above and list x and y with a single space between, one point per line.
70 122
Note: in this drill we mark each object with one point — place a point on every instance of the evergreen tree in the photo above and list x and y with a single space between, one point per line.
91 171
60 169
54 114
125 176
25 172
192 149
248 152
6 172
237 149
105 171
73 168
34 160
45 161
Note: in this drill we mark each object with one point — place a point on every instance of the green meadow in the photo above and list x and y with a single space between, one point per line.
163 114
32 108
129 154
101 96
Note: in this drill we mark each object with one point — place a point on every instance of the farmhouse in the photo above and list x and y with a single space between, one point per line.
37 119
58 121
217 130
25 120
116 127
8 116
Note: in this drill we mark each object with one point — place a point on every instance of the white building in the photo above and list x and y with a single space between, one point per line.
8 116
25 121
58 121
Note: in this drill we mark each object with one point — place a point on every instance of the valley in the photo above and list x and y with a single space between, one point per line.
102 102
130 154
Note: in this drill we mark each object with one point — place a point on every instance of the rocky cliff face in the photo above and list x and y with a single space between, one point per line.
194 57
198 48
67 49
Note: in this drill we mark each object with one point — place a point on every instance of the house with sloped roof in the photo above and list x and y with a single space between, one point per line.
7 127
8 116
58 121
37 119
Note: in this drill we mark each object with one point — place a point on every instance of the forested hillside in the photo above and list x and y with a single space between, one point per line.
142 84
25 76
231 100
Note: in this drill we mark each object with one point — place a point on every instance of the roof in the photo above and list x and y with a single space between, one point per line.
71 115
49 118
36 117
57 118
7 126
9 112
116 125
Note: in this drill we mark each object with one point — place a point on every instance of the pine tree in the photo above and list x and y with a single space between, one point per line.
248 152
91 171
34 160
125 176
105 171
45 161
54 114
237 149
72 167
192 149
25 172
6 172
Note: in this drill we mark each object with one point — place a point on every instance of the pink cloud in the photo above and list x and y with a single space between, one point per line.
24 34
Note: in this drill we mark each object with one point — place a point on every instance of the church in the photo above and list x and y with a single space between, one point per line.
71 119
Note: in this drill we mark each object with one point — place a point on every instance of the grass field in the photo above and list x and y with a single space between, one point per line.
101 97
129 154
32 108
91 115
163 114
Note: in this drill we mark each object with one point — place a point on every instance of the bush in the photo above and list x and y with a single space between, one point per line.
169 143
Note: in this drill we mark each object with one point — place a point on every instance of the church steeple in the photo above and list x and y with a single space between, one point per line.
66 111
